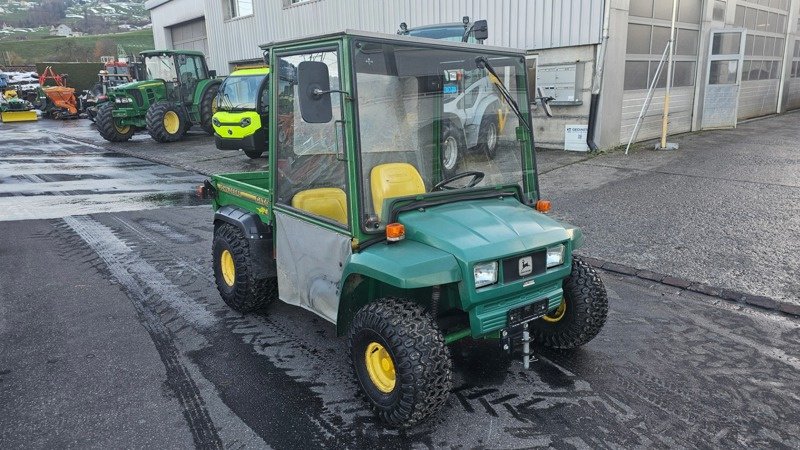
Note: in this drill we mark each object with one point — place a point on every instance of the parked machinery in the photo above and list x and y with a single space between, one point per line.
240 122
178 91
15 109
60 101
113 74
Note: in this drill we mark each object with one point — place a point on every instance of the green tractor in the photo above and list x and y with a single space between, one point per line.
178 91
356 219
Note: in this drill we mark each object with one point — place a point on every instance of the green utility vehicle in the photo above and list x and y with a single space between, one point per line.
240 122
178 92
355 221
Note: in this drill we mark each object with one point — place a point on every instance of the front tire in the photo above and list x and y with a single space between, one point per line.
489 132
235 272
108 127
400 361
165 122
582 313
452 149
255 154
208 106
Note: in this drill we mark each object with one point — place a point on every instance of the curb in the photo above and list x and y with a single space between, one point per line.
758 301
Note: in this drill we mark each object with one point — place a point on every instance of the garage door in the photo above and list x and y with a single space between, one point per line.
190 36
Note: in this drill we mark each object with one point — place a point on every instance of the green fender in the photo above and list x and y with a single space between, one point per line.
405 265
202 85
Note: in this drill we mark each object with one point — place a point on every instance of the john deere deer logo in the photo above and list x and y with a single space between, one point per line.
525 266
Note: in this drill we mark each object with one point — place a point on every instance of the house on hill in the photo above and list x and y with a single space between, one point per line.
61 30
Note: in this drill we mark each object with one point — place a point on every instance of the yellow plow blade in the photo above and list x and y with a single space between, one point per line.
18 116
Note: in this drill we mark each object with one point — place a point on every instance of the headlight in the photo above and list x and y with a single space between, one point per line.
245 122
485 274
216 122
555 256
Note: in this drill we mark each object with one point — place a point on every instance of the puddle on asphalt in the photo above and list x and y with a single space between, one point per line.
54 185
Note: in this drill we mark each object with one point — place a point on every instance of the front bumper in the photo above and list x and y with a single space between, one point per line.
256 142
493 316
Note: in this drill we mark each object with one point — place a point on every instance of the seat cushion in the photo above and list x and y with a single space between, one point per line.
326 202
394 180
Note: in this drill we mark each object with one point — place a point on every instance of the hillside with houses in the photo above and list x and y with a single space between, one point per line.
22 20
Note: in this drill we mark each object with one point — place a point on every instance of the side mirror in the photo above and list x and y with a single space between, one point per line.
314 91
212 74
480 29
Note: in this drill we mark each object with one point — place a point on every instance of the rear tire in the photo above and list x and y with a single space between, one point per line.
235 272
582 314
253 154
400 361
207 108
107 125
165 122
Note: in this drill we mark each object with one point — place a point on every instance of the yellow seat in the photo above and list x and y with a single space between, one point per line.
394 180
325 202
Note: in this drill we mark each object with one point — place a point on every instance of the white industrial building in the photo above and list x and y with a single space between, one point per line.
734 59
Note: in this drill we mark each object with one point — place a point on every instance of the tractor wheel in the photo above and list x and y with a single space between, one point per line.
108 127
400 360
253 154
489 132
208 106
452 149
165 122
234 272
582 312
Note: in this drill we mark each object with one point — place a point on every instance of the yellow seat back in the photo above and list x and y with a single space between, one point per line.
394 180
325 202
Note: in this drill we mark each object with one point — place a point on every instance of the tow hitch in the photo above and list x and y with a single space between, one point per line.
518 320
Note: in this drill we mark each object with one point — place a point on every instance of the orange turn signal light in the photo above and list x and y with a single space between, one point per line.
395 232
543 206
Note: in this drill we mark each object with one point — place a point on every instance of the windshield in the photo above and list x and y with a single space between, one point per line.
160 67
240 93
446 33
436 110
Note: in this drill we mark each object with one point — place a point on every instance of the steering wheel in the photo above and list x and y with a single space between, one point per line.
477 177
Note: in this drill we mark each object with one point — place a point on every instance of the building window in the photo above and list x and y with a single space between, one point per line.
238 8
288 3
764 44
646 44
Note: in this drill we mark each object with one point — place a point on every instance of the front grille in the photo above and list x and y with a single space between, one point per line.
524 266
136 94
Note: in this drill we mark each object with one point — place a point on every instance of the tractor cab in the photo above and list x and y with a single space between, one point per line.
181 71
362 217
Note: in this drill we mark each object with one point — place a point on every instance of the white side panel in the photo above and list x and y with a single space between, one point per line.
310 261
793 93
523 24
680 113
758 98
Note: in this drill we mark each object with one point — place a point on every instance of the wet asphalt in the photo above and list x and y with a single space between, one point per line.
113 335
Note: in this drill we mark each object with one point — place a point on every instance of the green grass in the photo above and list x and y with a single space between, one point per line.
82 48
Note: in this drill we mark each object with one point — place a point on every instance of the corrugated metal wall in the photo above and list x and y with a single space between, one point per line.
680 113
524 24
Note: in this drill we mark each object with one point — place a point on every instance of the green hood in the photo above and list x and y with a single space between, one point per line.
478 230
136 85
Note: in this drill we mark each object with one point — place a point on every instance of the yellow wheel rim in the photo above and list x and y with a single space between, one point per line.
380 367
228 269
122 129
213 106
172 123
558 314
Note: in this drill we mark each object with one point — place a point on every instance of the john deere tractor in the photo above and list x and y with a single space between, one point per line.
178 91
